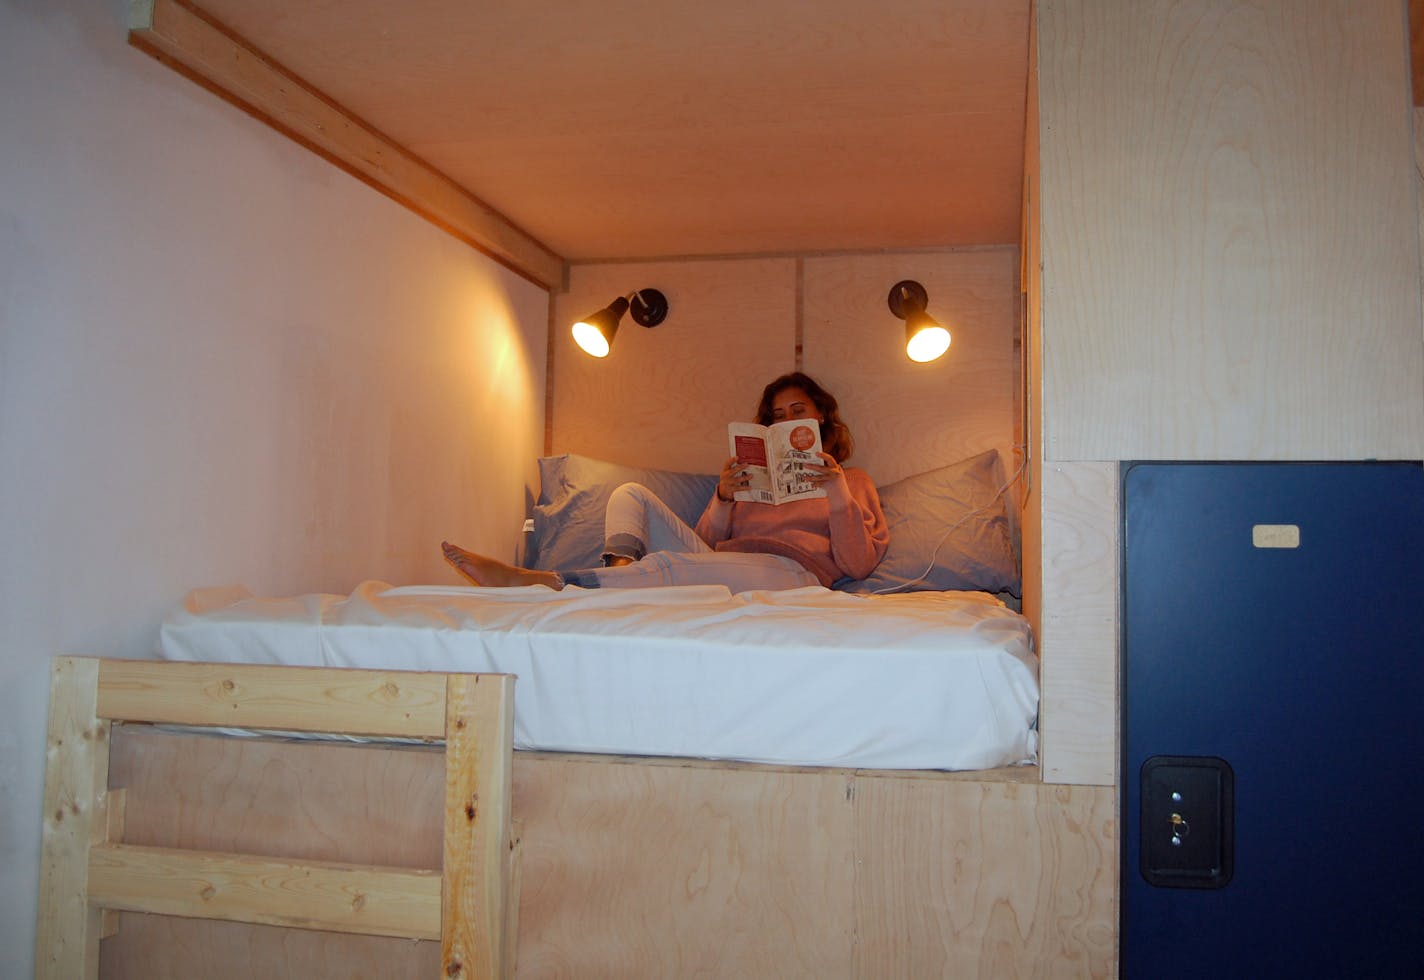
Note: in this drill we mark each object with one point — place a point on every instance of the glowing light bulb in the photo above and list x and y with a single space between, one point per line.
591 339
927 343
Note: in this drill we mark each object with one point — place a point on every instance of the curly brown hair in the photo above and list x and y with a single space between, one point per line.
835 435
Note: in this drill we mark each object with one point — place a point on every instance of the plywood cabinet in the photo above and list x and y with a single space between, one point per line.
1222 243
1230 247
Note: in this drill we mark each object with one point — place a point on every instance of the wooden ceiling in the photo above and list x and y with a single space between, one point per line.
659 128
550 131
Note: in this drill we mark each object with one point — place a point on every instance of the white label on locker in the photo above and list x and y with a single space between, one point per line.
1276 535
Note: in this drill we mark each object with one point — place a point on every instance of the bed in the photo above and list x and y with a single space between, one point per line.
811 783
929 680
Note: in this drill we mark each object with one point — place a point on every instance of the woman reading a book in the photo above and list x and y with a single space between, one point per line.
825 537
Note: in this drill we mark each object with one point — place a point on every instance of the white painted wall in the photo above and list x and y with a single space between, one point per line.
221 360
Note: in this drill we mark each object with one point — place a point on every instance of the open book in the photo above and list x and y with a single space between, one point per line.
775 457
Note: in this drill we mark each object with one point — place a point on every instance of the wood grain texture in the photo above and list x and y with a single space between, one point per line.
1031 519
160 947
479 738
988 880
909 417
324 895
178 35
1079 635
619 130
75 819
634 871
646 868
1231 257
353 702
1416 50
662 398
300 801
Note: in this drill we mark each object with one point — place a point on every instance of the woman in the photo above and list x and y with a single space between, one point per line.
740 544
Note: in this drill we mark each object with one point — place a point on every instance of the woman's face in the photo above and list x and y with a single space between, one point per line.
793 403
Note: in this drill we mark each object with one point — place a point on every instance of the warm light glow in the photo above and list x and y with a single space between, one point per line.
927 343
591 339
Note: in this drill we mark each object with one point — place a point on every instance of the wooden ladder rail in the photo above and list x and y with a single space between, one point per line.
87 874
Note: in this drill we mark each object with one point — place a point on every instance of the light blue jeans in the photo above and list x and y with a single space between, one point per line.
665 551
637 521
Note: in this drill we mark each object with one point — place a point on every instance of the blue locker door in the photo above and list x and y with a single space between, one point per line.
1273 720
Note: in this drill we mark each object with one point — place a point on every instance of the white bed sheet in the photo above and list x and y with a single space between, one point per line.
930 680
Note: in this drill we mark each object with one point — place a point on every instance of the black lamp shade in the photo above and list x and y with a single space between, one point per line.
594 333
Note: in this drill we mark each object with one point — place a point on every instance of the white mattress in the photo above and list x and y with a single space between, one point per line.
930 680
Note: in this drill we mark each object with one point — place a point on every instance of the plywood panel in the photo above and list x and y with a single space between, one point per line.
1079 633
994 881
620 129
1230 252
177 35
664 871
1032 285
649 868
257 797
908 417
663 396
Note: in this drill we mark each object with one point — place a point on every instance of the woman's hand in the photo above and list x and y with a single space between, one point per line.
827 472
734 477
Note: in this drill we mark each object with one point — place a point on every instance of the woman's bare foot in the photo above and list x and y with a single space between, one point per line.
480 570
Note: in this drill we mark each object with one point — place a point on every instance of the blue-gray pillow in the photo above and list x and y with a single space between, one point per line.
949 530
573 494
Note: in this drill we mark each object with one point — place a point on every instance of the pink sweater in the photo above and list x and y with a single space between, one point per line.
841 535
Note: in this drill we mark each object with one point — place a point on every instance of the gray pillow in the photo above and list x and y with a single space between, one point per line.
573 494
977 554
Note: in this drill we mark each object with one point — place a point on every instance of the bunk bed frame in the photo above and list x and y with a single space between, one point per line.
89 872
615 866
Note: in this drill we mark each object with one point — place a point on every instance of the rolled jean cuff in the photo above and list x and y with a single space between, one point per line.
624 545
584 579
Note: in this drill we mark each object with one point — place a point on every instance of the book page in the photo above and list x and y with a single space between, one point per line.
791 445
748 443
774 458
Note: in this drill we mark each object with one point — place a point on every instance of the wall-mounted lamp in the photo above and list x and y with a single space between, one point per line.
594 333
925 339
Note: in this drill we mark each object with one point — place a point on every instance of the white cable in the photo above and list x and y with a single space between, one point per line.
953 527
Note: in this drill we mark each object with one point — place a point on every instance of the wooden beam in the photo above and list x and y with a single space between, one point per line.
238 888
478 833
353 702
190 42
1416 49
75 820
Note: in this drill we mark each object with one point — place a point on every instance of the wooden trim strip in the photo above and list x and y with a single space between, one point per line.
404 704
238 888
478 859
190 42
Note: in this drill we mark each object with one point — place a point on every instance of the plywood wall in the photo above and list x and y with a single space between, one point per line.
662 398
1229 270
1230 245
911 417
662 869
